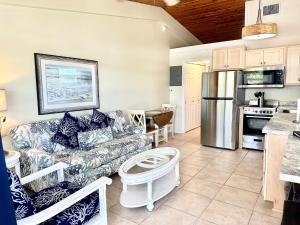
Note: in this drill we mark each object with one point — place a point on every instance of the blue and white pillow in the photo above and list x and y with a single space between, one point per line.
67 131
100 120
23 204
91 139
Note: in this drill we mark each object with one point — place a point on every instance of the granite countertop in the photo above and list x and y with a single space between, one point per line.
282 124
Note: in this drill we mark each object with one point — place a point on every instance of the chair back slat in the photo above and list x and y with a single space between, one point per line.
137 118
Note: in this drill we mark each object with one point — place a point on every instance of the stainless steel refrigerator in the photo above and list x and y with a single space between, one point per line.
221 98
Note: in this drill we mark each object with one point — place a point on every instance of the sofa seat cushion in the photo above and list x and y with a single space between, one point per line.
51 195
78 213
83 161
93 138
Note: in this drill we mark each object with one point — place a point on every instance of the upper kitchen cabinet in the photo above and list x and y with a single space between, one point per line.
293 65
228 58
265 57
254 58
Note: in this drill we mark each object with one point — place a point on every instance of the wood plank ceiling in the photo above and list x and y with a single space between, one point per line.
209 20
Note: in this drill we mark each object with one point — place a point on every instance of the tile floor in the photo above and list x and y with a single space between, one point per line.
218 187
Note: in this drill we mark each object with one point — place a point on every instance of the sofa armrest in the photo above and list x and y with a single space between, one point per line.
33 160
132 129
58 167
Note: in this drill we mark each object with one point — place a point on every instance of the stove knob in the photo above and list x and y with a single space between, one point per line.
264 111
260 111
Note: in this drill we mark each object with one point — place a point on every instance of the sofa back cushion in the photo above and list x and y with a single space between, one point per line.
38 134
91 139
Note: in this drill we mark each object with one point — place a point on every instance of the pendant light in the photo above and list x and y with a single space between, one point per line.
171 2
259 30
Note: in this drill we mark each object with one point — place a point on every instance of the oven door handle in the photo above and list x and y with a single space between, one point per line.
259 117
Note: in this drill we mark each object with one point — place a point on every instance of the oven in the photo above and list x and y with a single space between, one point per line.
255 120
263 77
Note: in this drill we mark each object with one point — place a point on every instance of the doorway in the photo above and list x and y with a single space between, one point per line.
192 83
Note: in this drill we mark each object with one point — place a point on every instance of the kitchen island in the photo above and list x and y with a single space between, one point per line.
281 158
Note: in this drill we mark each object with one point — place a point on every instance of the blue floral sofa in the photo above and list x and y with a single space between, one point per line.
33 141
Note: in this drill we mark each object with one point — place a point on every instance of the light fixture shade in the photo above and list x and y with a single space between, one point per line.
3 103
171 2
259 31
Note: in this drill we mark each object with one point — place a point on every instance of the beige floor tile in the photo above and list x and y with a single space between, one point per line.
247 171
252 154
189 169
265 207
114 219
116 181
202 187
226 166
245 183
213 175
189 148
196 161
253 163
176 142
226 214
203 222
136 215
237 155
206 154
237 197
183 180
260 219
169 216
188 202
112 196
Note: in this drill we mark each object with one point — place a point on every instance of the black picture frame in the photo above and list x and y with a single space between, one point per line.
66 84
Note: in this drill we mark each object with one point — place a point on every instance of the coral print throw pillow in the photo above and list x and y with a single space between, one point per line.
100 120
67 132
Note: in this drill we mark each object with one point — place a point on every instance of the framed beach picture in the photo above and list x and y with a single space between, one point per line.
66 84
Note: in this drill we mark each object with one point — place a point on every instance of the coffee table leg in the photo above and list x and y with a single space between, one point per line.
124 187
177 174
150 204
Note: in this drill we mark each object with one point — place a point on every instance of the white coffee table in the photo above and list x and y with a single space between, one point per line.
149 176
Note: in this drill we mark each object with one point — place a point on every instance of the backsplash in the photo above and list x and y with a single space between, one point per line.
288 93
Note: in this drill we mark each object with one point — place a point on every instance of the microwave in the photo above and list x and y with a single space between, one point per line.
262 77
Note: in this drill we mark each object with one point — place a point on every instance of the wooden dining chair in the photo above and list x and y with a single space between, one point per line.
138 118
170 125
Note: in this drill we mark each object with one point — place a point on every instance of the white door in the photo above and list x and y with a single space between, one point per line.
192 86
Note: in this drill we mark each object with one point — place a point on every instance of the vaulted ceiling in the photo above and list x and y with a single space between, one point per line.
209 20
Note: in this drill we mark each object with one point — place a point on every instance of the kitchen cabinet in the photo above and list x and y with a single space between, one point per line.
293 66
254 58
273 188
265 57
228 58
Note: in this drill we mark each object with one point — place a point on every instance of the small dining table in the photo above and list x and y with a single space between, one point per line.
158 117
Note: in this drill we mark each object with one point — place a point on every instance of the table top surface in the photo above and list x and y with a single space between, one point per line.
150 160
151 113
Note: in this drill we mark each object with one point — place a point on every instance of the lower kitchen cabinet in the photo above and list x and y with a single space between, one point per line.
273 188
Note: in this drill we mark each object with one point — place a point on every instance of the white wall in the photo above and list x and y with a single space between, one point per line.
287 20
125 38
288 24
